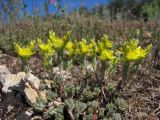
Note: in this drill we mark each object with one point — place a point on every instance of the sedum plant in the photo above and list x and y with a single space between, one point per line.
59 44
25 52
132 55
70 52
106 55
82 51
47 51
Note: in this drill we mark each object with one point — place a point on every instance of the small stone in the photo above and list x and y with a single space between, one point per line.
13 82
10 108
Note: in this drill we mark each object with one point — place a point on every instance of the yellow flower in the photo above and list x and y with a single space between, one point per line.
93 49
136 54
58 43
70 49
25 52
106 55
83 47
131 51
46 48
100 46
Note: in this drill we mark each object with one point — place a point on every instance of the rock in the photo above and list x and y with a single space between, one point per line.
33 79
13 82
32 94
65 74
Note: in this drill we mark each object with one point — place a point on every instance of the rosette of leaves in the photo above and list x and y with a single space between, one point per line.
69 107
69 90
92 107
40 105
116 116
87 94
121 104
54 113
58 80
51 95
79 109
111 109
96 91
110 87
101 113
88 116
74 109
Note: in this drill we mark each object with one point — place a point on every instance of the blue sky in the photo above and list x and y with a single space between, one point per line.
70 4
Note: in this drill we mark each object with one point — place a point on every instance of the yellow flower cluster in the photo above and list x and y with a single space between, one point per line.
45 48
58 43
103 49
132 52
107 55
70 49
82 47
105 43
25 52
93 49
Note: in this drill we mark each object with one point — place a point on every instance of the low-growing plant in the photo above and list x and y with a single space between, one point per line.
25 52
94 98
132 55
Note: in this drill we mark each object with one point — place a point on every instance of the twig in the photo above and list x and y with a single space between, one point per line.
103 94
